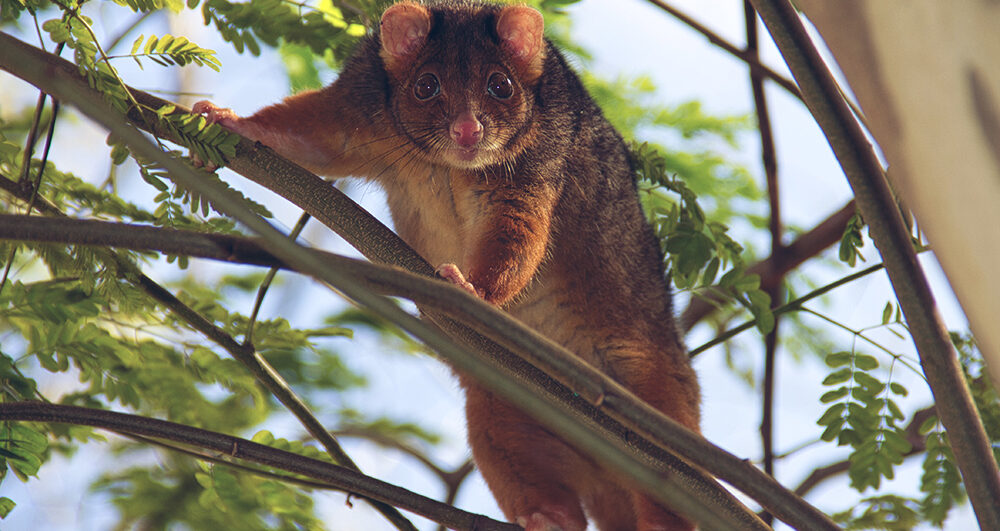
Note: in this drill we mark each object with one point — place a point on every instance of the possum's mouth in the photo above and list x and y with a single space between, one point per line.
468 157
466 154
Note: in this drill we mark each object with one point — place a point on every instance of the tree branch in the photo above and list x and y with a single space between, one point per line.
502 372
428 292
235 447
756 67
954 404
770 164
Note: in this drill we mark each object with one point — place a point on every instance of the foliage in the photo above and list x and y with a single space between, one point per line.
852 241
863 415
696 249
169 50
880 512
329 30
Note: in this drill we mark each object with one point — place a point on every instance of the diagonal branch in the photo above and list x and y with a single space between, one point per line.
242 449
429 292
621 415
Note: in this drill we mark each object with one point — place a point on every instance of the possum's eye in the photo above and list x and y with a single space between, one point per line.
426 87
499 86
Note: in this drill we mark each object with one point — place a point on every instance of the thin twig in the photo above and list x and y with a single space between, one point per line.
787 307
268 279
714 38
770 164
452 479
128 29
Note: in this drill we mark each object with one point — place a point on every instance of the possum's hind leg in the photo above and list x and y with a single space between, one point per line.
533 475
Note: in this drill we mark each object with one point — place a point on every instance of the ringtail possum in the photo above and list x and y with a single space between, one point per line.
498 166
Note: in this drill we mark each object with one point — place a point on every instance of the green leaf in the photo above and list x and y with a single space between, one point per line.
760 307
263 437
887 313
6 506
837 377
834 395
898 443
865 362
136 43
833 413
894 410
870 383
711 270
832 431
747 283
928 424
838 359
25 446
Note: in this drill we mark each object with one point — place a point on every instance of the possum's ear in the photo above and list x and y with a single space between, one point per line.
403 31
521 31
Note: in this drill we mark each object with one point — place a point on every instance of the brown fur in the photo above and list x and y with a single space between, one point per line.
543 218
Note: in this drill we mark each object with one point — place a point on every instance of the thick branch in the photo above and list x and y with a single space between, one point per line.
889 232
234 447
501 371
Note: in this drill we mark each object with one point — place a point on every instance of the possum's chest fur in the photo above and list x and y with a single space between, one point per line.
433 212
439 212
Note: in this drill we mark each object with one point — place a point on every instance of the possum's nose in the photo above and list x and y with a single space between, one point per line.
466 130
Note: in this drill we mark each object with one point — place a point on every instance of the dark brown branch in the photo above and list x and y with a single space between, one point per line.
888 230
770 164
772 269
242 449
621 416
750 59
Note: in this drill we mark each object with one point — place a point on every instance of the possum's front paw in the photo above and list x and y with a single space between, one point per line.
215 115
542 522
453 274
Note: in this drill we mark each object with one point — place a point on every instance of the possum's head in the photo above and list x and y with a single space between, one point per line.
463 78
